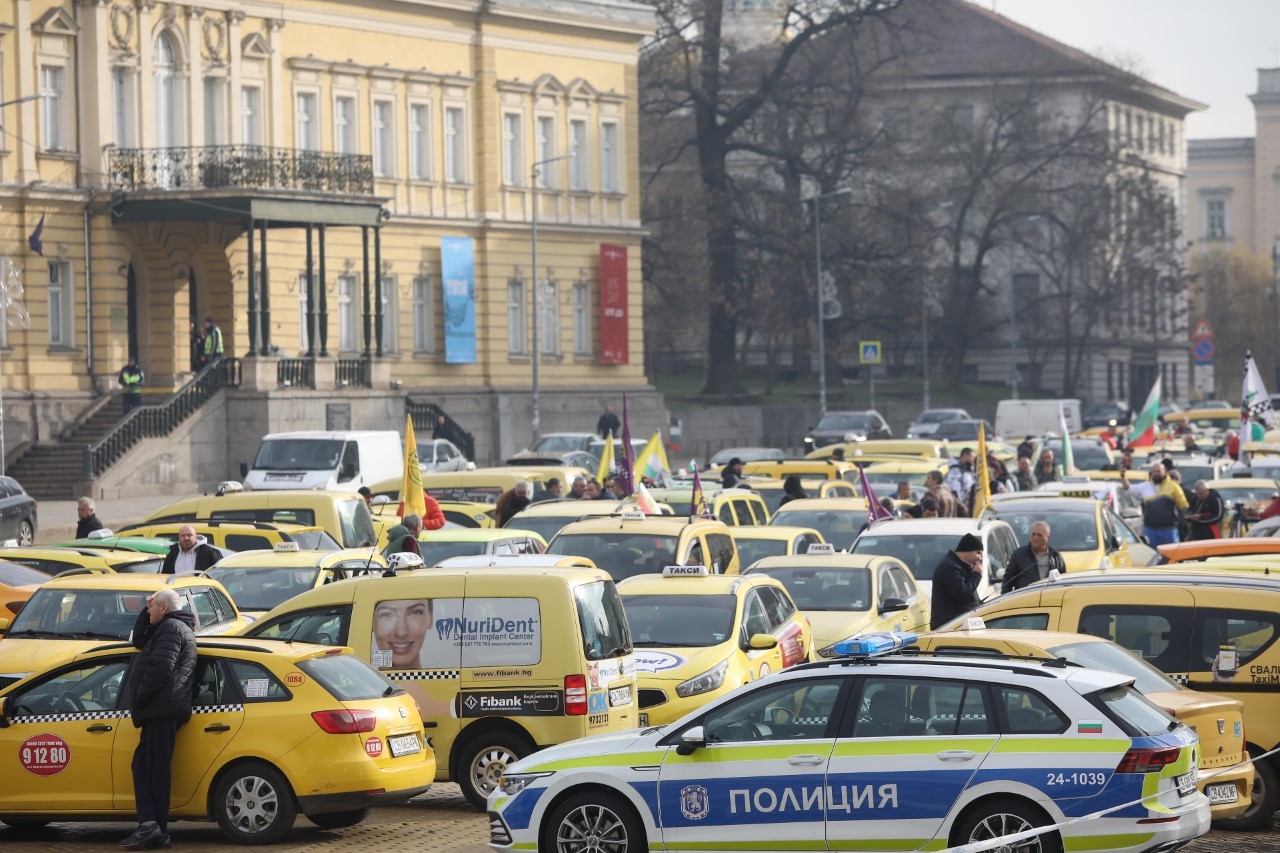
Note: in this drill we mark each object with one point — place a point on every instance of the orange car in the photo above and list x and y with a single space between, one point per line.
17 584
1203 549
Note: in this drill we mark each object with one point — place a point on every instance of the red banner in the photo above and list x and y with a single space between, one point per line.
613 304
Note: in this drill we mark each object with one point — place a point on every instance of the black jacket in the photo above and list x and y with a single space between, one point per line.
1022 569
608 424
1209 512
160 679
955 590
88 525
206 556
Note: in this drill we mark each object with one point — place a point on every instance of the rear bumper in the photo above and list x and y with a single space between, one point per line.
1240 777
317 804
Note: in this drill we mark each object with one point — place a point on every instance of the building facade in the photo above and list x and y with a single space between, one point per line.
347 189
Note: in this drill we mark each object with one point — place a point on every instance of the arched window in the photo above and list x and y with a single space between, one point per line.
166 69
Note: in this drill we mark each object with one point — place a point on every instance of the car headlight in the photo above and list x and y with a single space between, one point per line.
708 681
513 783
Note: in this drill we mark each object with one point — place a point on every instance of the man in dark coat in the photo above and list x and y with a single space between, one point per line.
1033 561
608 423
158 694
731 476
88 514
956 581
190 554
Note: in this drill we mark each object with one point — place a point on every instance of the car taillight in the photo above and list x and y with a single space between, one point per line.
1148 760
575 695
345 722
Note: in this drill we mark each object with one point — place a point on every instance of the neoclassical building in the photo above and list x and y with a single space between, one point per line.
346 188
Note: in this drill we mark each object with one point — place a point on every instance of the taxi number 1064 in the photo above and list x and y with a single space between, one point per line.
42 755
1078 778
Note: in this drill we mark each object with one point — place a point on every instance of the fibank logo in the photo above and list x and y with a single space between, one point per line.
694 802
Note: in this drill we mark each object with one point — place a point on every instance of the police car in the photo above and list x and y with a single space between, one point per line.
874 753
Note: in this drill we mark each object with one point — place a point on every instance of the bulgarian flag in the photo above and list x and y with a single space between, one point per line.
1143 431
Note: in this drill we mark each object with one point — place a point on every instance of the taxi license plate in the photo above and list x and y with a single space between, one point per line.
404 745
644 720
620 696
1222 794
1186 784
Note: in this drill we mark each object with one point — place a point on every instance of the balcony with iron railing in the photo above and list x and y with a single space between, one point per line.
221 167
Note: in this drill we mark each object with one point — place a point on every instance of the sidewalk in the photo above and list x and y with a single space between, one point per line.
57 519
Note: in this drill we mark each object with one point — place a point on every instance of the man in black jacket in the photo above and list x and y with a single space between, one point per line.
88 514
1033 561
158 695
956 581
190 554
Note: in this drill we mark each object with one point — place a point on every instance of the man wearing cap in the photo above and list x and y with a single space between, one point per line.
956 580
732 476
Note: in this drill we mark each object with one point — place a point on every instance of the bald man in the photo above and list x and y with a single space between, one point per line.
190 554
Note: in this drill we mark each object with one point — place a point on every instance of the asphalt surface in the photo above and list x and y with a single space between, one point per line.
440 821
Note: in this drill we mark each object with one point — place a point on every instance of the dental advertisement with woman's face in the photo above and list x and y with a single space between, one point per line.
424 633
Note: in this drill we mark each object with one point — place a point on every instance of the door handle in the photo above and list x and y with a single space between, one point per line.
101 727
799 760
221 727
956 755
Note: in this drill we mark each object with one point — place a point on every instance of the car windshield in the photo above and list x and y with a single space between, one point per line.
1068 531
750 550
356 523
605 631
837 526
887 484
958 429
1089 456
1247 495
263 587
80 613
12 574
921 553
680 621
1191 473
848 421
435 553
298 454
1109 657
824 589
557 443
937 416
621 554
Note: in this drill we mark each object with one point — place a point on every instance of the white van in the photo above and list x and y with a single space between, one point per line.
1017 419
326 460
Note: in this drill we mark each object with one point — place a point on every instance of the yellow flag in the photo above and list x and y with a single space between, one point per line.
982 489
652 463
606 460
411 499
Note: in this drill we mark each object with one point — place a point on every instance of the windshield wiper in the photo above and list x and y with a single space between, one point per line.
393 690
93 635
657 645
29 633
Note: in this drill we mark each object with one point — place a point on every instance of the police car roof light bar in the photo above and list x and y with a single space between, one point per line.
879 643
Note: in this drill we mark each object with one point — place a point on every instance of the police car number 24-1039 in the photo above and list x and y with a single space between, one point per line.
1076 779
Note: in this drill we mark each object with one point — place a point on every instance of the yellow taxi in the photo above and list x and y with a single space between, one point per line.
698 636
732 506
69 614
480 485
757 541
439 545
54 561
466 514
343 515
1198 550
924 448
846 594
261 580
17 584
885 476
1218 720
1252 493
839 520
1211 422
818 469
276 729
239 535
633 543
1084 530
771 491
546 518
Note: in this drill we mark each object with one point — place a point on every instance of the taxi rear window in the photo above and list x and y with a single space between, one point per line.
326 626
1133 712
605 631
348 678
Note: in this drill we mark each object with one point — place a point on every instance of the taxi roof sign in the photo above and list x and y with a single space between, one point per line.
975 623
820 548
632 515
685 572
879 643
286 547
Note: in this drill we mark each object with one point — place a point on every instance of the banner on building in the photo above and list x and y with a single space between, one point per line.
613 304
457 269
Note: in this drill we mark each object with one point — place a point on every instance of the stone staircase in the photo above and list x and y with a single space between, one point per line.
49 470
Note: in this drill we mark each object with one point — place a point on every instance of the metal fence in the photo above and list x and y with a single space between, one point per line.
210 167
354 371
426 421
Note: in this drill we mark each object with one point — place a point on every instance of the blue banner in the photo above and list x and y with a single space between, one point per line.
457 268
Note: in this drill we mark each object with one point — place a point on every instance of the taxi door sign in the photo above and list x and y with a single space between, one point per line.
44 755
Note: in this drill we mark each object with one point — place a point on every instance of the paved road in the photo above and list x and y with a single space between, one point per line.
441 821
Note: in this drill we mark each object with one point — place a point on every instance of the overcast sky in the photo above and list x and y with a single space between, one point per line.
1207 50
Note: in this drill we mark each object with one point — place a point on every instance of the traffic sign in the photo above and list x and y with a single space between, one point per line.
1202 330
869 352
1203 351
1203 379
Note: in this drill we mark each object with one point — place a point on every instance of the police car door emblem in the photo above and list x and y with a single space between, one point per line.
694 803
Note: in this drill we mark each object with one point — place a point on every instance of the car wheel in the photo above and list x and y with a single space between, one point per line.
1263 804
26 533
339 820
253 804
597 822
997 818
484 759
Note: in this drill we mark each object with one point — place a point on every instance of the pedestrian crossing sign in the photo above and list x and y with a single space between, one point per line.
869 352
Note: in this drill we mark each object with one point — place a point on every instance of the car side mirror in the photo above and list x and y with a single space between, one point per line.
762 642
1116 542
893 605
691 741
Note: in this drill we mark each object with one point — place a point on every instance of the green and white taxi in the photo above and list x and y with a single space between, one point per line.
867 753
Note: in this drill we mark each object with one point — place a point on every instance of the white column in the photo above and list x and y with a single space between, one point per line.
235 126
280 99
94 67
146 75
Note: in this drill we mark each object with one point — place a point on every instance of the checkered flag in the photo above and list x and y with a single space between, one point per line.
1255 402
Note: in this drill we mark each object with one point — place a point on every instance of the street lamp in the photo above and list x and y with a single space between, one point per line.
534 172
822 340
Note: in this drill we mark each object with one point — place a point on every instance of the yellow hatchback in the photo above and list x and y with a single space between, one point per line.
259 581
633 543
757 541
55 561
698 636
276 729
839 520
1084 530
